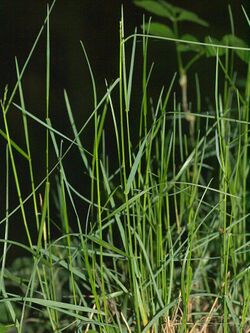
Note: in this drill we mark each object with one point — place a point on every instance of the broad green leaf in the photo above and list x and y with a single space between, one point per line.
186 15
164 9
186 47
189 37
157 8
211 51
159 29
232 40
171 8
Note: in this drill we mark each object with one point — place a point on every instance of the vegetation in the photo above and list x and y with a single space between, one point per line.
164 243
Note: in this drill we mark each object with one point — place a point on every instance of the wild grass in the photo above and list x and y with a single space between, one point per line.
164 242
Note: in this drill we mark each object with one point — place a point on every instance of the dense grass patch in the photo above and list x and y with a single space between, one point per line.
163 245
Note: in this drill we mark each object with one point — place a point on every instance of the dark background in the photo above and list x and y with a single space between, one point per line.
96 23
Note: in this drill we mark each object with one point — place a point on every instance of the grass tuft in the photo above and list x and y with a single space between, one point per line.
163 243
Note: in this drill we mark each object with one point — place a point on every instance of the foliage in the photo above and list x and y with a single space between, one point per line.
164 244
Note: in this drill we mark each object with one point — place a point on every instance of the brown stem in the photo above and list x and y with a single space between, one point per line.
188 116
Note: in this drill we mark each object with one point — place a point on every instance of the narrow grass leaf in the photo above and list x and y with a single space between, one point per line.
30 55
76 134
106 245
5 328
157 291
233 314
160 314
15 145
246 16
135 165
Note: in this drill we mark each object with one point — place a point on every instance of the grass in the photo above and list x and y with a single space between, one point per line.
163 246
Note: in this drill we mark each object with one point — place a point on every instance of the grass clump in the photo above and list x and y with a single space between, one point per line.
163 246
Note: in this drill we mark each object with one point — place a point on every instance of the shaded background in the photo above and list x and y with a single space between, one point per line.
96 23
